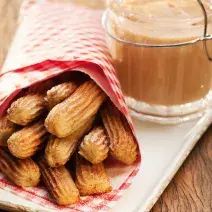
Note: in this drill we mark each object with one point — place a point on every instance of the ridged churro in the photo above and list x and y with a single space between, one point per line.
59 150
60 92
26 109
123 147
7 128
91 178
25 142
66 117
95 146
24 173
59 183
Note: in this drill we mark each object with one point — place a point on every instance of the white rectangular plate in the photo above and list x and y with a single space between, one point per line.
164 148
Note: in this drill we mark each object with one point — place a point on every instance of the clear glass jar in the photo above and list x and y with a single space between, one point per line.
158 50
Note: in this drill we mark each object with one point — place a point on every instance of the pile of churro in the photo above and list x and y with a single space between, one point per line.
62 137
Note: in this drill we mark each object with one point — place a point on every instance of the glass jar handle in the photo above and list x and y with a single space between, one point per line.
205 35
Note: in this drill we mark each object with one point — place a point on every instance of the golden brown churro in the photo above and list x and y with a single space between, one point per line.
7 128
59 183
94 146
90 178
59 150
24 143
26 109
123 147
59 93
24 173
76 110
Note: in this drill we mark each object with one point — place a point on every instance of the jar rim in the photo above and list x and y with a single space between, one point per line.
193 41
115 7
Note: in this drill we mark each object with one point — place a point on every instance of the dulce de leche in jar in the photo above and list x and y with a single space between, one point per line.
159 51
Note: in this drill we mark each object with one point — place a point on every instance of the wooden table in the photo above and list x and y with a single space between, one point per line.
191 188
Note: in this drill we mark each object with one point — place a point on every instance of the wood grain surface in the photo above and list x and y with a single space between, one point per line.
191 188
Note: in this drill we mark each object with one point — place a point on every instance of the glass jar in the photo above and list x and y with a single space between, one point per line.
159 51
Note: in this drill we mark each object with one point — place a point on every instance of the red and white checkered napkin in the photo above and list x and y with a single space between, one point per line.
52 39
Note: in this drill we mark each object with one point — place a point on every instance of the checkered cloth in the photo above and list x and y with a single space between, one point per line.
53 39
